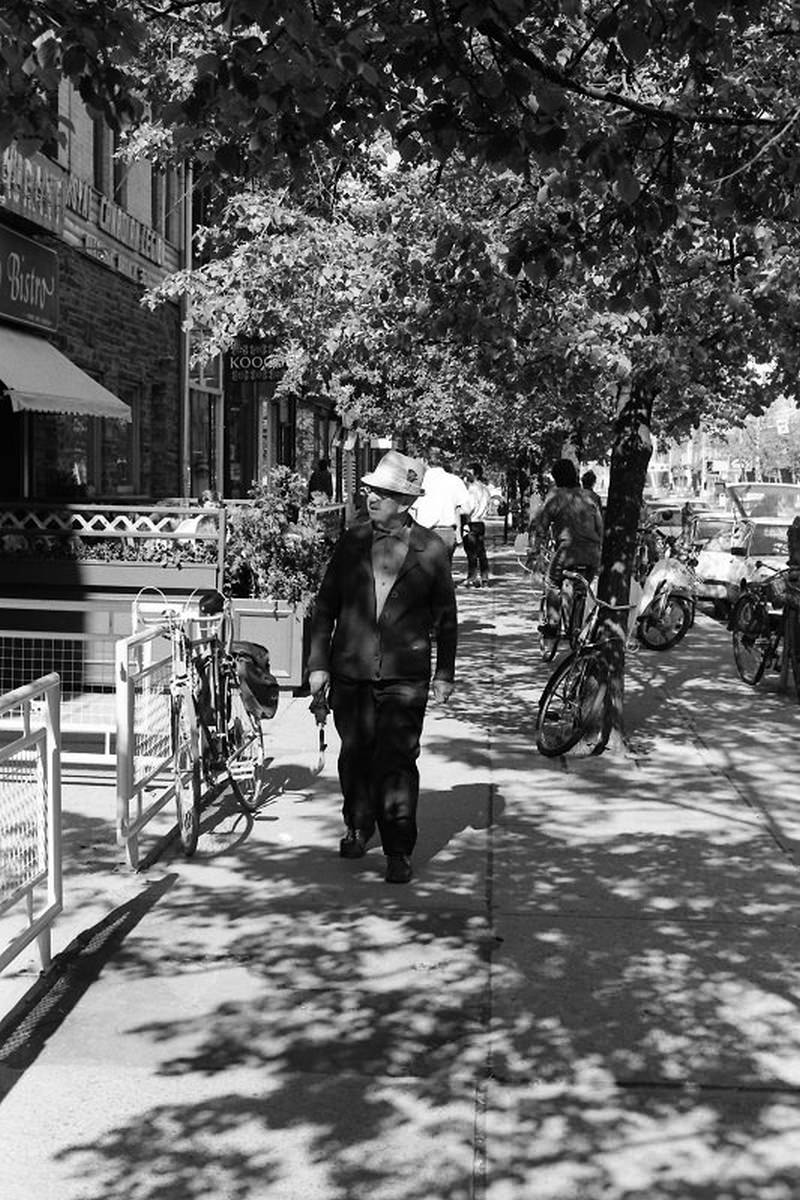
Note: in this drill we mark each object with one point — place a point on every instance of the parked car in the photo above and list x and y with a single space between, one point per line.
668 514
709 523
765 499
729 557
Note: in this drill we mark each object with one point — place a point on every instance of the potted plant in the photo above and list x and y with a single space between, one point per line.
276 549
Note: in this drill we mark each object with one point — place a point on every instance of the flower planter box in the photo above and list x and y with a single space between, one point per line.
52 576
282 628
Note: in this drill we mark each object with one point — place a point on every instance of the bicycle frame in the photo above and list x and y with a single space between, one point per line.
586 637
574 705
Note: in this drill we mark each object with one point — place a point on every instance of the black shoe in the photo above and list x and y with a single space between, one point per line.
353 844
398 868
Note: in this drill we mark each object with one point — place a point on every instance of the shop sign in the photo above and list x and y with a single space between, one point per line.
33 188
249 359
124 228
28 281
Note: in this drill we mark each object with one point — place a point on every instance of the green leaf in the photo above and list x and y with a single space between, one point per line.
207 64
633 42
228 158
627 186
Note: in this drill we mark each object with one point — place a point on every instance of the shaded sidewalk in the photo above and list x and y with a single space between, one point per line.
589 990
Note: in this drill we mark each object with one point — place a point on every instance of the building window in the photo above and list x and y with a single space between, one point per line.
83 458
119 175
202 442
157 199
101 159
50 148
172 214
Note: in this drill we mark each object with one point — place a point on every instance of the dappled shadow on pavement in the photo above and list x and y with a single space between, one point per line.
26 1029
590 990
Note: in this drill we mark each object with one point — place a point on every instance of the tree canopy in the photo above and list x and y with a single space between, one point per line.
593 230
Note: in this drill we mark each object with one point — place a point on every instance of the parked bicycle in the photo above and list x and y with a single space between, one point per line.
765 626
572 607
575 705
668 603
572 611
220 690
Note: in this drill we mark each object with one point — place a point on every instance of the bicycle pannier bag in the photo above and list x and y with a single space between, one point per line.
258 685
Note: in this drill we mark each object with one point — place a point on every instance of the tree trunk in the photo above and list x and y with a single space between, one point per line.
629 458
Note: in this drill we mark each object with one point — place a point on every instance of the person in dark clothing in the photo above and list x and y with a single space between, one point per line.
575 522
386 593
588 480
321 479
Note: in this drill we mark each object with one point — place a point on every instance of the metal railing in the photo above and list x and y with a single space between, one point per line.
30 814
144 749
145 781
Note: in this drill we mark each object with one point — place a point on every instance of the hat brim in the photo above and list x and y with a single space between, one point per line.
373 479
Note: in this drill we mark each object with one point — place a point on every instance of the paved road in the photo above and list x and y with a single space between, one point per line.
589 992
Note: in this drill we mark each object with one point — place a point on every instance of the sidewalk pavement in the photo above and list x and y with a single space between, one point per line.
588 992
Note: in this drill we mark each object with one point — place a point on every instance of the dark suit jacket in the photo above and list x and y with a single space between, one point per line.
346 638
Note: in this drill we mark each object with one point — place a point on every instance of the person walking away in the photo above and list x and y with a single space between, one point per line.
577 528
386 594
588 480
443 502
321 480
475 529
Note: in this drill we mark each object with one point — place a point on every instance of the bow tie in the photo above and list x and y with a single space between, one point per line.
378 532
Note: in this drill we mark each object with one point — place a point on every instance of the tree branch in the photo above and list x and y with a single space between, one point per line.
556 75
776 137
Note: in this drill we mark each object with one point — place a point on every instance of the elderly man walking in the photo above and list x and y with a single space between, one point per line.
386 593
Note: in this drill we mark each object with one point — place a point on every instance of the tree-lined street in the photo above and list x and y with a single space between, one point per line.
492 233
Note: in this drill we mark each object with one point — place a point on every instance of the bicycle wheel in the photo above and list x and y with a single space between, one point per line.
573 707
751 638
548 643
245 756
664 622
187 780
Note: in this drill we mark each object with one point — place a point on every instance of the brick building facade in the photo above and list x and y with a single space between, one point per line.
96 232
102 231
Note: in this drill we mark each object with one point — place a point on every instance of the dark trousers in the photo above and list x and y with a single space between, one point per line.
475 547
379 724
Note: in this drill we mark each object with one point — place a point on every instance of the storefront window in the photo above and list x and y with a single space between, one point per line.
82 458
202 441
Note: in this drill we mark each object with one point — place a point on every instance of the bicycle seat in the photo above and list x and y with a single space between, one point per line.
211 603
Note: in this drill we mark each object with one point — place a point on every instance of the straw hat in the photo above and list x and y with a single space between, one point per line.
397 472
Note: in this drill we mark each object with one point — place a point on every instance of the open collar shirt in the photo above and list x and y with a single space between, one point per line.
389 550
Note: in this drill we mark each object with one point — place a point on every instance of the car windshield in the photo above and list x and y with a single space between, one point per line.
770 540
766 499
709 527
720 541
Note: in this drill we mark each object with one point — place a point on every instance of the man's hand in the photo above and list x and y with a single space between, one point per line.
442 690
317 680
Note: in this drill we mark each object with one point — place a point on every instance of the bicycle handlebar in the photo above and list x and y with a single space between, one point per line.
206 609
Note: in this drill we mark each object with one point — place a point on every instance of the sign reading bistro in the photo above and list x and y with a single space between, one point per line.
28 281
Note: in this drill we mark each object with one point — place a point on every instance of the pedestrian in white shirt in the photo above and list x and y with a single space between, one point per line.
475 529
443 503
